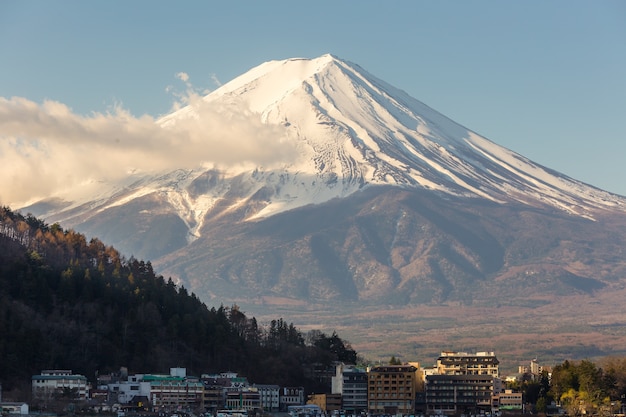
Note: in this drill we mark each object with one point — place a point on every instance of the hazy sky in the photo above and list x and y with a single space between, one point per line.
83 79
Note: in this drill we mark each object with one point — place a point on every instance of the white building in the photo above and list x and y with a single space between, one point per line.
59 383
123 392
351 383
270 398
12 408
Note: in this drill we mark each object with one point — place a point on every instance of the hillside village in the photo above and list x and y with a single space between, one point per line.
459 383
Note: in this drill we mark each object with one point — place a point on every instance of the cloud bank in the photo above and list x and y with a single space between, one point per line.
46 147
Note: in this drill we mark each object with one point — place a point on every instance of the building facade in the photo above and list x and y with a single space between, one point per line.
291 396
351 383
245 399
509 401
459 394
270 399
52 384
392 389
463 363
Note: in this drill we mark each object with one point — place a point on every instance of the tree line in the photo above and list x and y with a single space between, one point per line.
69 303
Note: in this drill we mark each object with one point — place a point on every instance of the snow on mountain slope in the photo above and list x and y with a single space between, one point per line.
351 130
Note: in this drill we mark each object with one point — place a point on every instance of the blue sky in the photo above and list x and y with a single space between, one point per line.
546 79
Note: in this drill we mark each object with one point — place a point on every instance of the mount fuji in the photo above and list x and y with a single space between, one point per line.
375 199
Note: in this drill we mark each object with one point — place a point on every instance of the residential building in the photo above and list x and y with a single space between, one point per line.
58 383
392 389
351 383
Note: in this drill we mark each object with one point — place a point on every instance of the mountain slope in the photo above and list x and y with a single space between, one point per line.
384 245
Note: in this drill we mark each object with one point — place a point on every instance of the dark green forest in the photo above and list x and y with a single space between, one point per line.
69 303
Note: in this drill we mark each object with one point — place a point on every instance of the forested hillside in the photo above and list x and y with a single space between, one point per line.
69 303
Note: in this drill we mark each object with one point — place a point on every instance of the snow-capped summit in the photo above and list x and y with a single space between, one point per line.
353 130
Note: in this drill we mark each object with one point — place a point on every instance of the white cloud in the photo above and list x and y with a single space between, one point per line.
183 76
47 147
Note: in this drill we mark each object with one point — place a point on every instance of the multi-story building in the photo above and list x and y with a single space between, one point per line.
173 391
351 383
291 396
214 392
459 394
244 399
270 399
463 363
392 389
52 384
124 392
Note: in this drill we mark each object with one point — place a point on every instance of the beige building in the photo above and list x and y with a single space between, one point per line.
463 363
326 402
392 389
508 400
